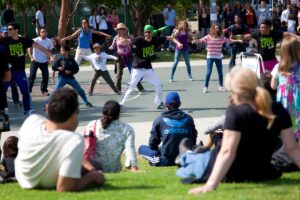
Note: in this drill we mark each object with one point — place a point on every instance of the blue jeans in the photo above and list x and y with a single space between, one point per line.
19 77
186 57
219 65
61 82
153 156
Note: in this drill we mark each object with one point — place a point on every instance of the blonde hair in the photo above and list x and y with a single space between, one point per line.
214 32
245 84
289 54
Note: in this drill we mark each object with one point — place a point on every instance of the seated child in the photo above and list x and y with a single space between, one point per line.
7 166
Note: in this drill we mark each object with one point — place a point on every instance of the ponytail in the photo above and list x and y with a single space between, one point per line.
110 112
263 103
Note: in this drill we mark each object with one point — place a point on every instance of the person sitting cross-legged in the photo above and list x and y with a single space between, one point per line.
169 128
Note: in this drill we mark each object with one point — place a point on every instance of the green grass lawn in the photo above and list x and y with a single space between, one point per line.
162 183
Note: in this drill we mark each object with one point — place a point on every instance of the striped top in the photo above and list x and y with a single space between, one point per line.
214 45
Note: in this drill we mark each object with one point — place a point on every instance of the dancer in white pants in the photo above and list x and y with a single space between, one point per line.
142 67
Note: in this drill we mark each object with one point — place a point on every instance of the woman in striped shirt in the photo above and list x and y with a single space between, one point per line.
214 42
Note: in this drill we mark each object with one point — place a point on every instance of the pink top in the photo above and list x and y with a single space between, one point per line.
114 20
123 45
214 45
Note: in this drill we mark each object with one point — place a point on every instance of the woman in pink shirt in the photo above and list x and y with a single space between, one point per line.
113 19
123 43
214 42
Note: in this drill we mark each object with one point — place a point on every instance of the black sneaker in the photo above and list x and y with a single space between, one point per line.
46 94
18 104
88 104
161 106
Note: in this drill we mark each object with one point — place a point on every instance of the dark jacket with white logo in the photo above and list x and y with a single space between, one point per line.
170 128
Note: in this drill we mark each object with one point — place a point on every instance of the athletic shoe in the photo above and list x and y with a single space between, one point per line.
29 112
171 80
191 79
46 94
222 89
18 104
118 93
90 94
98 81
205 90
88 104
161 106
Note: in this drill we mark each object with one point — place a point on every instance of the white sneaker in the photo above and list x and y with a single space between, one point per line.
98 81
222 89
205 90
191 79
171 80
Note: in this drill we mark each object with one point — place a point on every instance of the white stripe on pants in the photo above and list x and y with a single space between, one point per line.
148 75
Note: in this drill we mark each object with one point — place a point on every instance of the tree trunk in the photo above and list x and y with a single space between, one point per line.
24 16
63 20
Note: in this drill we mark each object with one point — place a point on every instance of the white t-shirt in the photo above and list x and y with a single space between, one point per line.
285 15
39 16
291 26
37 54
103 23
43 155
99 60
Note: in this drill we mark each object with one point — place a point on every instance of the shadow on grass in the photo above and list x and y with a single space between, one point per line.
137 187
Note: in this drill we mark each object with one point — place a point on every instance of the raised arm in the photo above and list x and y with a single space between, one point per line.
223 162
100 33
75 34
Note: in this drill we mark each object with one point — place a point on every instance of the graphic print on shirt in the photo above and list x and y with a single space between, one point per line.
148 51
16 49
267 42
177 126
99 60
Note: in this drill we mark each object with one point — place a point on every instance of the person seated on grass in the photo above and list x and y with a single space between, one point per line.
251 131
50 152
7 165
113 136
169 128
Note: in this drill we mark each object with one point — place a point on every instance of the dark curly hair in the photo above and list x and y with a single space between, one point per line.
10 147
110 112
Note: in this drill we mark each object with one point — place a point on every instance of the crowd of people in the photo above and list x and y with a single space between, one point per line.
52 155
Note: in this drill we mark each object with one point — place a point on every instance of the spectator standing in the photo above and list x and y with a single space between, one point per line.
94 20
228 17
169 14
262 13
238 10
51 156
8 14
67 67
56 53
183 34
113 137
285 14
291 24
39 60
204 22
40 19
220 15
103 24
250 17
169 129
113 19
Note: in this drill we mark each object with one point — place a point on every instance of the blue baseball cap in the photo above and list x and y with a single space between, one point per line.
172 98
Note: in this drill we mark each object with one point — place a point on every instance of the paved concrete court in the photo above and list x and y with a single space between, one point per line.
140 110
